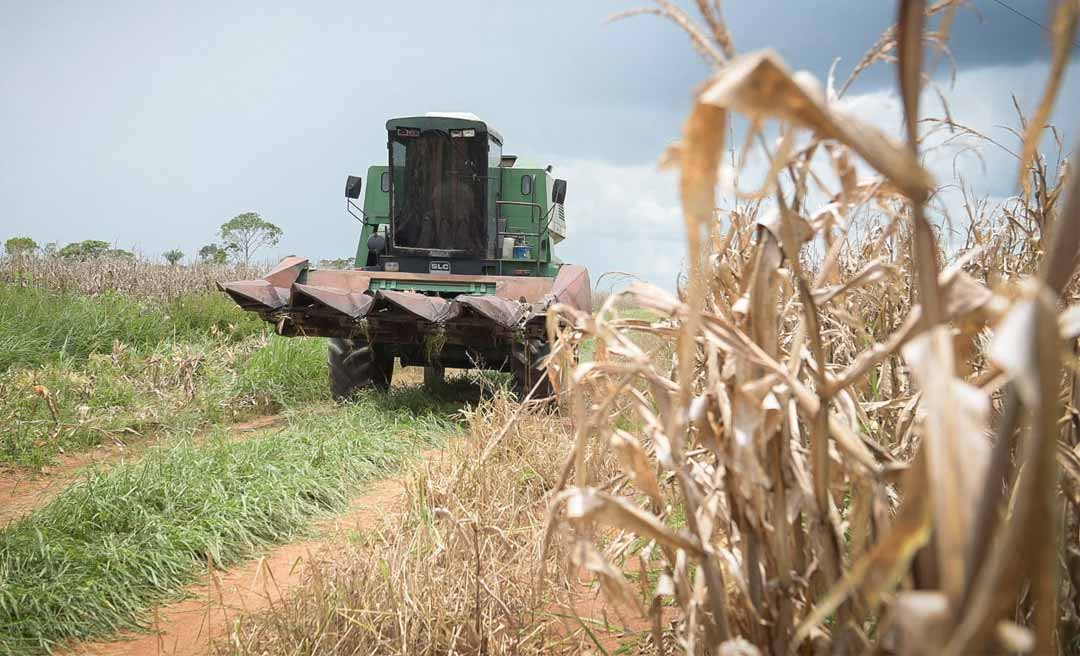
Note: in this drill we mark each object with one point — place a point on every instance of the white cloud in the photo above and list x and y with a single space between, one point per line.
982 100
626 217
623 217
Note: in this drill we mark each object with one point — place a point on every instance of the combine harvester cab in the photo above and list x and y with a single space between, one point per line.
454 268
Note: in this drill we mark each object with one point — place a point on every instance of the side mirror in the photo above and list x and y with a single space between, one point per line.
352 187
558 192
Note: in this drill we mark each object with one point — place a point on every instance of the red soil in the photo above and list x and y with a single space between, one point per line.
190 627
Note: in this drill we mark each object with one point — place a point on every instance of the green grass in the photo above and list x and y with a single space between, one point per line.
95 559
288 372
174 387
77 371
587 350
39 327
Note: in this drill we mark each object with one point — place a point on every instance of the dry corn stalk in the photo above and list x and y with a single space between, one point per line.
135 276
853 442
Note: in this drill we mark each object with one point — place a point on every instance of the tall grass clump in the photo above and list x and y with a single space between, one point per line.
94 560
172 388
39 326
867 442
284 373
111 349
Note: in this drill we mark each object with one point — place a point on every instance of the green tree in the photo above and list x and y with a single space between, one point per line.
213 254
174 256
85 250
248 232
337 263
90 249
20 246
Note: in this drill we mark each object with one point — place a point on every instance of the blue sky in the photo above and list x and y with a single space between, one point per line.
150 124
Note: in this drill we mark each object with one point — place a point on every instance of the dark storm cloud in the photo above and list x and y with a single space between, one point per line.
656 63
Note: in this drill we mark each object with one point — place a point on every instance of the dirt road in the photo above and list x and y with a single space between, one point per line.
190 627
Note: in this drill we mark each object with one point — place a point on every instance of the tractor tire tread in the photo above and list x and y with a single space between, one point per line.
353 364
526 367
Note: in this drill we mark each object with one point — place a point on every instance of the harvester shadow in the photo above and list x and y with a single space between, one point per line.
448 398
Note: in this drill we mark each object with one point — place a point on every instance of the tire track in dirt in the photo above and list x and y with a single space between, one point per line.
21 492
189 627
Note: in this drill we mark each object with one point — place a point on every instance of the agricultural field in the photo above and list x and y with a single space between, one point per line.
849 427
147 430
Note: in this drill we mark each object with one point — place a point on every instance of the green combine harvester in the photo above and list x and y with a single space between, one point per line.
455 266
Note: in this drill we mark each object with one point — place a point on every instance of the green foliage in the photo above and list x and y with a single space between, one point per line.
39 326
90 249
194 315
173 257
246 233
286 373
337 263
77 370
172 388
117 397
213 254
94 560
20 246
85 250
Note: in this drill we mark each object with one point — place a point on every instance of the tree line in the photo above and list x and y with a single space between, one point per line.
238 239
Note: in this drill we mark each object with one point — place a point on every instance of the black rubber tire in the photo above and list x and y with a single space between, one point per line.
434 377
525 360
355 365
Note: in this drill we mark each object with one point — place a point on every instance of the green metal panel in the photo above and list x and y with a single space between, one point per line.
521 219
376 201
377 208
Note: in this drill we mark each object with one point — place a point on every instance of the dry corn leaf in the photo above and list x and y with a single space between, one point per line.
1064 32
962 295
956 447
636 463
1069 461
921 620
1015 638
884 565
1069 322
761 86
1032 328
788 228
737 647
1007 349
909 45
589 504
875 271
615 585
